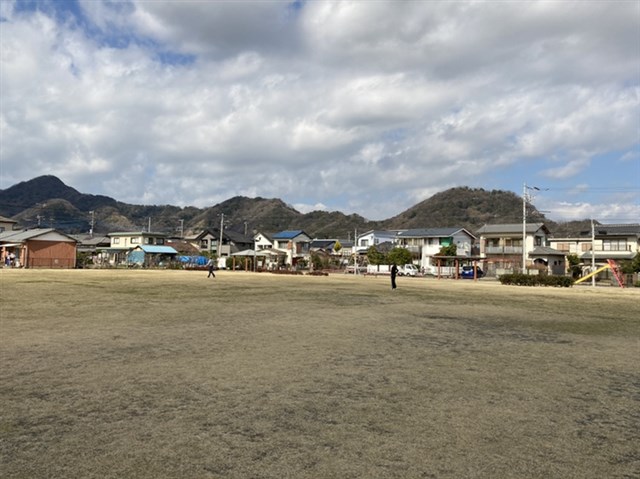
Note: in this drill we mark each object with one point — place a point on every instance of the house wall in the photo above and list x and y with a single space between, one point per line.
262 242
49 254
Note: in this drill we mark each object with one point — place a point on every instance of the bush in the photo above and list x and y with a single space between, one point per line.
520 279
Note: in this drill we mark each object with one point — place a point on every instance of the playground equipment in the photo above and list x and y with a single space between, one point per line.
612 265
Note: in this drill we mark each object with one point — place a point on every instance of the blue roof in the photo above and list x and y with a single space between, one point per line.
287 234
158 249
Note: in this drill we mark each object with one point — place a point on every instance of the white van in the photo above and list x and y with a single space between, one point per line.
407 270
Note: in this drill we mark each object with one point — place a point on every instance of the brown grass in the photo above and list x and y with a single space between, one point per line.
168 374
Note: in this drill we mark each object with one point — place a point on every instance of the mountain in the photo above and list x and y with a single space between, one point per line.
48 202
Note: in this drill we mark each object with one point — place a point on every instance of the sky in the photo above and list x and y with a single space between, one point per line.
365 107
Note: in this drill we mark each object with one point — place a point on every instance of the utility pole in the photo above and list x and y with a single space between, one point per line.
355 251
221 231
593 254
149 229
524 228
181 228
92 223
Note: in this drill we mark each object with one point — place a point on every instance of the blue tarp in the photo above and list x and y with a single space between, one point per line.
194 260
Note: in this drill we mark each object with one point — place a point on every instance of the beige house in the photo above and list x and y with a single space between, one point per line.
7 224
296 243
123 242
605 242
501 246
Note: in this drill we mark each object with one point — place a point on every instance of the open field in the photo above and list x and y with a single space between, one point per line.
168 374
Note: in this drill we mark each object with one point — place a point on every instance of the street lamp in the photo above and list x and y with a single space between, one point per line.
524 223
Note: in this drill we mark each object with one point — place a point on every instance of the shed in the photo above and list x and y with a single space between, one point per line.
151 255
39 248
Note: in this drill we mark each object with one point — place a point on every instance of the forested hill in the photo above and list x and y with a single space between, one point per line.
48 202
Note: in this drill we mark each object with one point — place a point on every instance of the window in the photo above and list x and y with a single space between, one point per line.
160 241
614 245
586 246
538 241
364 242
116 240
135 240
562 246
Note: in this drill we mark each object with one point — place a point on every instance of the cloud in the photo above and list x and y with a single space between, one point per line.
338 104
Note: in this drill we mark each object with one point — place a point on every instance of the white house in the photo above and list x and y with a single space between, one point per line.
373 238
424 243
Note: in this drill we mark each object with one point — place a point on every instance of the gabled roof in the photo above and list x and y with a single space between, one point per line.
88 240
617 230
432 233
380 233
238 238
136 233
4 219
19 236
268 236
287 235
545 251
512 228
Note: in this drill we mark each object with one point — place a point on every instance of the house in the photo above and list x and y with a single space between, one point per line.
425 243
207 242
605 242
373 238
549 260
295 242
7 224
262 241
121 243
335 251
501 246
39 248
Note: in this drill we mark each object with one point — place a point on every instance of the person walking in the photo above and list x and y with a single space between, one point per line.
394 273
210 268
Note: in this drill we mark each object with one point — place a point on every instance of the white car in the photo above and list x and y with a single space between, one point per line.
407 270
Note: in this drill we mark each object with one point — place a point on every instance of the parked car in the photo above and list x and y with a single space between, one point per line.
467 272
407 270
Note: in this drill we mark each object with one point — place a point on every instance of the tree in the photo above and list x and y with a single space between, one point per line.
399 256
337 246
574 265
374 256
450 250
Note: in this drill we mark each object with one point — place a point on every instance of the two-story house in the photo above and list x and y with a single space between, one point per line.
604 242
7 224
501 246
373 238
122 242
424 243
296 243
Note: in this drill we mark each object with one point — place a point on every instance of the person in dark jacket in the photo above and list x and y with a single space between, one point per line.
210 268
394 273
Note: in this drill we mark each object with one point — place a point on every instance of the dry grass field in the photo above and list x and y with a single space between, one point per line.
168 374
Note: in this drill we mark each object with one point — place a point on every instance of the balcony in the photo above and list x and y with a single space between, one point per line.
503 250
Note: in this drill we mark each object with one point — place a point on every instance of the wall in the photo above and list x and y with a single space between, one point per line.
49 254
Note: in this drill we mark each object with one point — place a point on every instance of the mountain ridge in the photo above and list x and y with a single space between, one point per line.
47 201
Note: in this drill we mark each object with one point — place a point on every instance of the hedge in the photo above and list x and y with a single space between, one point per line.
520 279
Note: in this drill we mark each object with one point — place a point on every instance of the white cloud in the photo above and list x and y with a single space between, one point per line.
332 104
